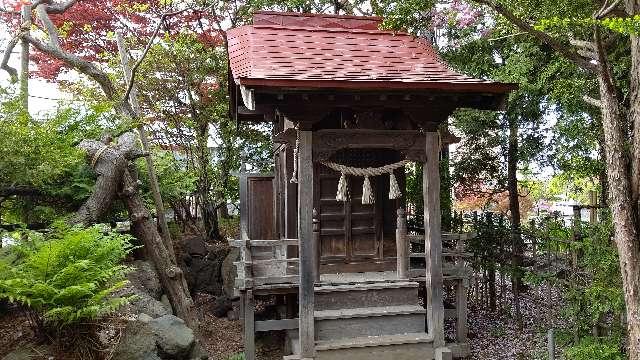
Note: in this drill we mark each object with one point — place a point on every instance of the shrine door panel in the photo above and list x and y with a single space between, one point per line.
363 236
332 217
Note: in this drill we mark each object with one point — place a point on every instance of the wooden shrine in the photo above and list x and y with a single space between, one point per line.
326 234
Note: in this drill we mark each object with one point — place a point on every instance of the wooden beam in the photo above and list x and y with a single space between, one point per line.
272 325
306 246
433 240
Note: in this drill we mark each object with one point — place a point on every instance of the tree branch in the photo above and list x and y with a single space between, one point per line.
41 10
606 10
77 63
4 64
60 8
561 48
135 67
592 101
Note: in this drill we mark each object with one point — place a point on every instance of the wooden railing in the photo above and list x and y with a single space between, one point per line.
265 262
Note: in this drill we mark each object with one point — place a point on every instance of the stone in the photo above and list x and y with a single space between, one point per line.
229 272
221 306
194 246
167 304
173 338
204 274
198 353
137 342
144 318
145 304
145 278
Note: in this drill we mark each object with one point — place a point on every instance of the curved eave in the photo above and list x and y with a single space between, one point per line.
355 85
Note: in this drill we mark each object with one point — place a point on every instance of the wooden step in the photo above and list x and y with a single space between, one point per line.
412 346
345 296
368 312
416 346
370 341
370 321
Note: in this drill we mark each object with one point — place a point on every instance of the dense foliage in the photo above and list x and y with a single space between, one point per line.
67 276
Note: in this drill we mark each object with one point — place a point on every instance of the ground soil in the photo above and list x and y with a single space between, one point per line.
492 335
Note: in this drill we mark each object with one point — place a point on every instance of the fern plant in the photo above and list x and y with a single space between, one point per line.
68 276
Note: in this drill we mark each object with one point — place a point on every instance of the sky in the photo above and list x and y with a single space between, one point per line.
41 92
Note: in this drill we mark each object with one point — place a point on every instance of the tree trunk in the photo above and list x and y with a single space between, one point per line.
208 209
171 276
514 210
111 163
621 201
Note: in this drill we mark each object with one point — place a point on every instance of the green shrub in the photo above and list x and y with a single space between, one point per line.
591 348
66 277
238 356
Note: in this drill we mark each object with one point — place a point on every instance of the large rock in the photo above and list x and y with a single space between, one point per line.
145 278
145 285
194 246
173 338
137 342
166 338
145 304
229 272
204 274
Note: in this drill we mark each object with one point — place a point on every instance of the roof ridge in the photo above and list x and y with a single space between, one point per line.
337 16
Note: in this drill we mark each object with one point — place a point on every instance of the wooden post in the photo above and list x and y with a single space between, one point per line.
433 240
306 246
316 246
551 345
444 353
462 285
402 247
24 59
248 309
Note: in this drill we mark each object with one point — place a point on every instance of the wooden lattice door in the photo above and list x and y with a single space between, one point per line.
355 236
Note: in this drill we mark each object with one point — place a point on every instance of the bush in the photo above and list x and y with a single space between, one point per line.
591 348
67 277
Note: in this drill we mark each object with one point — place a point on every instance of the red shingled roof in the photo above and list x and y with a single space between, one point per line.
327 51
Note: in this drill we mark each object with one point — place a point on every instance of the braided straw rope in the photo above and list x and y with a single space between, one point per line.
96 157
354 171
367 193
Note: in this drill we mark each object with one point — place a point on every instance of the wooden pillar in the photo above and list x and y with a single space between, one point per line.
444 353
462 285
433 240
316 246
306 246
402 247
248 309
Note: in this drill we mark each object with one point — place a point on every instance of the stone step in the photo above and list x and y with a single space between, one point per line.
369 321
345 296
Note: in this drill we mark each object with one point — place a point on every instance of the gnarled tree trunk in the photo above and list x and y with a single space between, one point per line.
117 178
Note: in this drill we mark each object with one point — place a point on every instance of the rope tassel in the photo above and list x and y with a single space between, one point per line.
394 189
343 190
367 194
